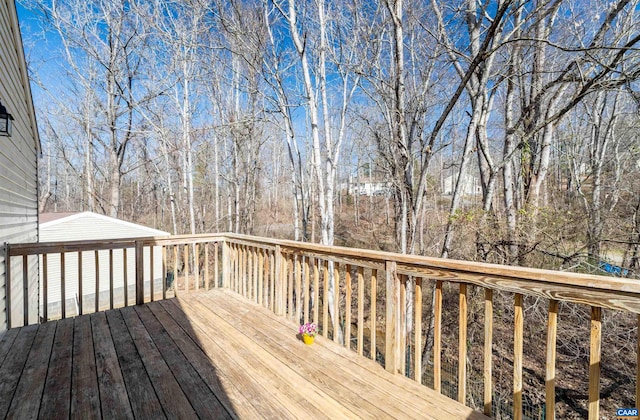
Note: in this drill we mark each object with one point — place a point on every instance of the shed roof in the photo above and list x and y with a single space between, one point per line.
89 225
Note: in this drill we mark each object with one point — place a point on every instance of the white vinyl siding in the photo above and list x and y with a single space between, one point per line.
18 169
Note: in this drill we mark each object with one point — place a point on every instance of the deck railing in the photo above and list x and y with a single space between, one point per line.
369 301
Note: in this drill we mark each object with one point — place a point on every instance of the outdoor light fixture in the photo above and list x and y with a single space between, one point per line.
5 121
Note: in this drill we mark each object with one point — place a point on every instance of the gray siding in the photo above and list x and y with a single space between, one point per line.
18 168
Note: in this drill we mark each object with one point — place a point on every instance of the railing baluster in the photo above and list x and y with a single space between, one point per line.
437 338
488 350
462 344
325 299
518 335
7 282
216 273
594 363
164 272
256 292
125 275
63 297
316 291
25 289
373 316
307 288
152 276
272 280
45 288
347 307
139 273
289 285
175 269
336 301
402 331
298 288
196 265
206 266
360 310
186 267
550 377
278 280
417 331
80 291
125 286
96 257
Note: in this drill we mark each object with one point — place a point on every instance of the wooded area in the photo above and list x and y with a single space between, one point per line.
501 131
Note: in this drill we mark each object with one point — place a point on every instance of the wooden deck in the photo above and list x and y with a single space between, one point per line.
203 355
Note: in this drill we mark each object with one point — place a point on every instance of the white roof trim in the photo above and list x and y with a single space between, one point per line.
152 232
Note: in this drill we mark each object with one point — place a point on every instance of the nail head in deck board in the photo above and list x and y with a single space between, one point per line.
13 364
56 398
232 373
203 402
174 402
85 398
144 402
113 393
26 400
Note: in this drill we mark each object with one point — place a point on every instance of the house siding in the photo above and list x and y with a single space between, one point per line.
18 170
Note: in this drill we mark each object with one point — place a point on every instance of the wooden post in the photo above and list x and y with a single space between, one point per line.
638 364
550 379
139 273
25 289
518 335
462 344
594 363
488 351
392 357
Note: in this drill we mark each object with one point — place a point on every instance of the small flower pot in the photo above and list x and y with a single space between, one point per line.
308 339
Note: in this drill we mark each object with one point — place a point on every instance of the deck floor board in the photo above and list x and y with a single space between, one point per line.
202 355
